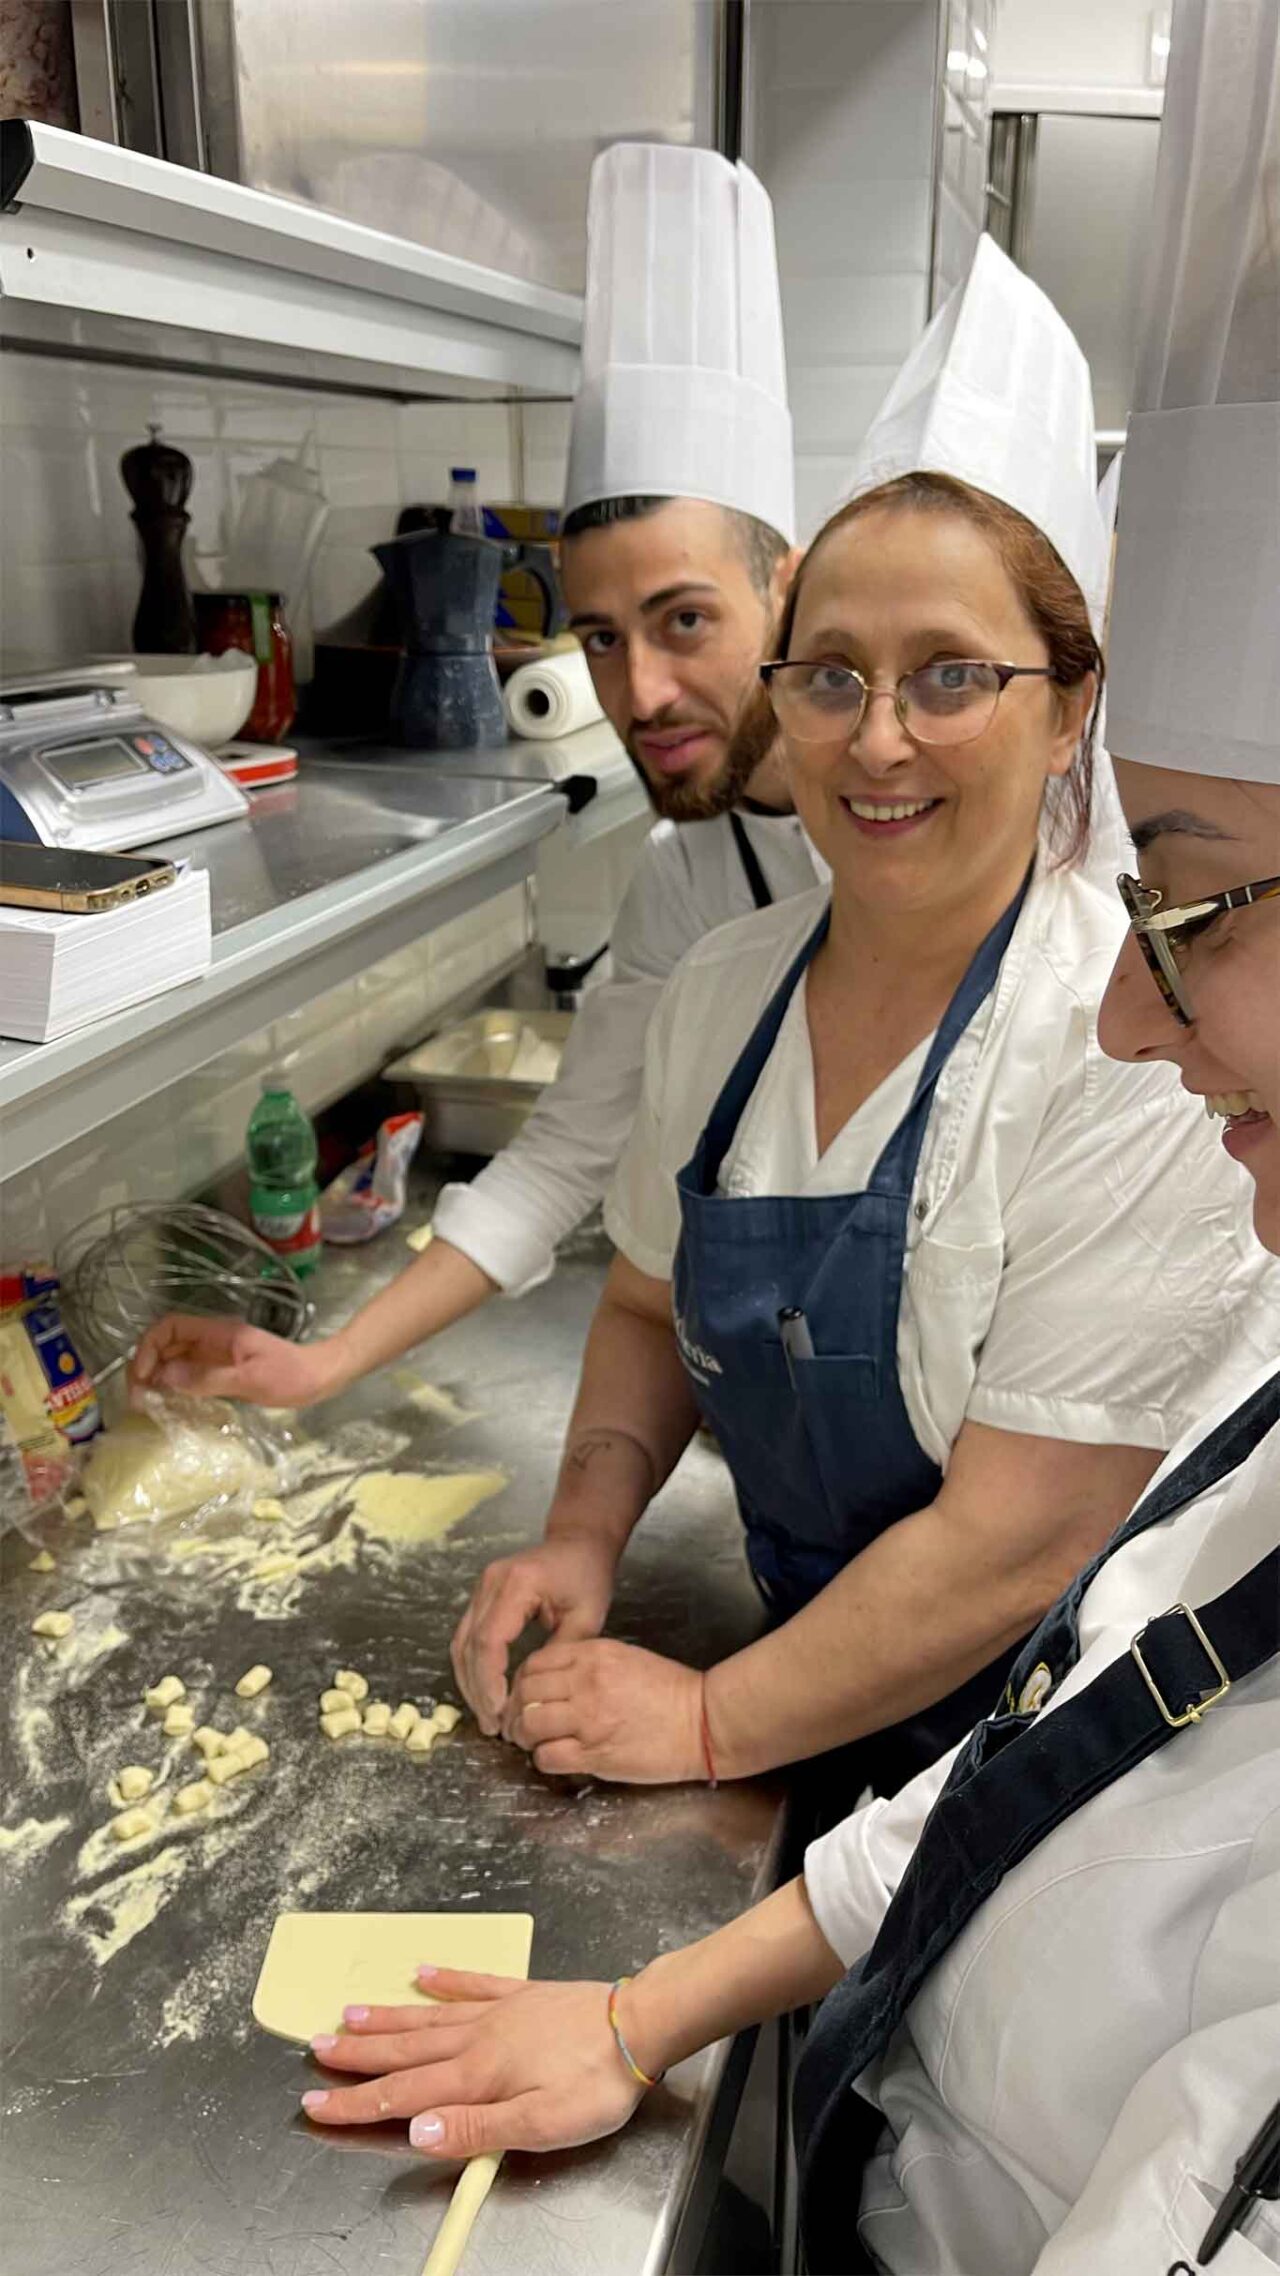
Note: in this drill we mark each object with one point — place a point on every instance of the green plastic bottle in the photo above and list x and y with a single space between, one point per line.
283 1194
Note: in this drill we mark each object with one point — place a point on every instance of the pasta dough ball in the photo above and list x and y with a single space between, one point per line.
332 1702
403 1720
209 1741
178 1720
421 1738
255 1680
196 1796
377 1718
131 1824
134 1781
164 1694
447 1717
336 1726
356 1686
53 1624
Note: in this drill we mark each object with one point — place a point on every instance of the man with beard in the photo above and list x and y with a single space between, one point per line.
675 560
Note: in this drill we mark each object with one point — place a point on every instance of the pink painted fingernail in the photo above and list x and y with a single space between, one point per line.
314 2100
425 2132
356 2014
324 2043
427 1970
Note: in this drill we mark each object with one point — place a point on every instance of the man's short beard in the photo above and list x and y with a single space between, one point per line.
692 801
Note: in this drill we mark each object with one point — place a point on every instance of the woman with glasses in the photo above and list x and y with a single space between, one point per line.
888 1221
1056 2051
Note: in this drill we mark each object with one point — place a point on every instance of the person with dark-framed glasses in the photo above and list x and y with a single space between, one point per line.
1167 936
883 1187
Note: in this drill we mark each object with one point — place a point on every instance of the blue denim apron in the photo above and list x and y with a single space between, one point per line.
1018 1778
821 1447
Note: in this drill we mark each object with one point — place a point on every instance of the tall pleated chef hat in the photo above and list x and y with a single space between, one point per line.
997 393
1195 617
684 386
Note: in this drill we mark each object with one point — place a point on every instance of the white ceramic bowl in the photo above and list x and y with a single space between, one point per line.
207 698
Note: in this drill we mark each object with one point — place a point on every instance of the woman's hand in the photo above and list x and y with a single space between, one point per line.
608 1710
502 2065
224 1359
566 1582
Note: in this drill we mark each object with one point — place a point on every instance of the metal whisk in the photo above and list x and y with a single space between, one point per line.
125 1266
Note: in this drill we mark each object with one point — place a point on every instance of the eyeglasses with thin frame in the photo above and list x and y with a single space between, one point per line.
1166 936
950 702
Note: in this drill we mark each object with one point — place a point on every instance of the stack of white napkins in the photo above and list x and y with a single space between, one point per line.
59 973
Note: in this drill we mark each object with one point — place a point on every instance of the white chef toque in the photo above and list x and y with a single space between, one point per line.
684 386
997 394
1195 618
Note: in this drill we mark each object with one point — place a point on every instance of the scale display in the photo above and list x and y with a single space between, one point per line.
86 763
81 766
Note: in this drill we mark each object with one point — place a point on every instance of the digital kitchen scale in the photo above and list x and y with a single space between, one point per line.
82 765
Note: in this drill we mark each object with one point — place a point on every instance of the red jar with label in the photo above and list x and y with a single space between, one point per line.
256 623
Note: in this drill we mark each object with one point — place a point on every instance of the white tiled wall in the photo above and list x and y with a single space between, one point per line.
325 1047
544 436
69 571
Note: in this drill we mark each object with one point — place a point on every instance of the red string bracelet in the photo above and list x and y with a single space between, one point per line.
707 1756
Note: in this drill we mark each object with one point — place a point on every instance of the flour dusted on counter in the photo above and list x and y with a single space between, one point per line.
429 1399
108 1917
409 1510
18 1844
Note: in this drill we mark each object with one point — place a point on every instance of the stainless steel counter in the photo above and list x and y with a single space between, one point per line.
151 2127
322 830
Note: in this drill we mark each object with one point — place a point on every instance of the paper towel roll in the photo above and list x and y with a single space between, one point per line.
552 697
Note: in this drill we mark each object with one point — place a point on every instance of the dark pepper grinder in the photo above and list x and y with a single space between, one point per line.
158 479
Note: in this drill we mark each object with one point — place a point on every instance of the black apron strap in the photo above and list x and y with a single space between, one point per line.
1011 1785
992 1813
1055 1644
750 860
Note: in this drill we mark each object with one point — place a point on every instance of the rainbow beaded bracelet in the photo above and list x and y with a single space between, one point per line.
641 2078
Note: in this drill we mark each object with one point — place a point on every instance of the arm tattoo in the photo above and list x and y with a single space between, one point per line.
579 1456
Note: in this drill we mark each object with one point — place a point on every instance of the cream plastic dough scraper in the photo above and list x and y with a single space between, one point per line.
317 1963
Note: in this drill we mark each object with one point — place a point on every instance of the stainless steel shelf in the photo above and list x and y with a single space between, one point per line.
316 866
104 247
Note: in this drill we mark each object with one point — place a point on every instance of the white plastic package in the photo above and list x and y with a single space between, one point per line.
369 1194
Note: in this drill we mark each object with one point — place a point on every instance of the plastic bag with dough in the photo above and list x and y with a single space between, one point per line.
141 1469
317 1963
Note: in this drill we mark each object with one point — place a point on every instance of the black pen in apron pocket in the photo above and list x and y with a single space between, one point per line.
797 1343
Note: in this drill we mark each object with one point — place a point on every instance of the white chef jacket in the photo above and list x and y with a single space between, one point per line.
689 879
1080 1259
1071 2087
